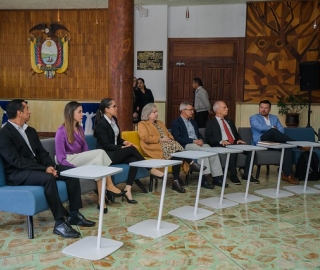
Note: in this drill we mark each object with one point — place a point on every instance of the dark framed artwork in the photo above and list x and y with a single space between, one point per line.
150 60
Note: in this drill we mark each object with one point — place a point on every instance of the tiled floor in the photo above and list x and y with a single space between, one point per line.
270 234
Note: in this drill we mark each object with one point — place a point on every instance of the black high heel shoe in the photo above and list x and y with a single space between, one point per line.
120 194
156 177
129 201
105 210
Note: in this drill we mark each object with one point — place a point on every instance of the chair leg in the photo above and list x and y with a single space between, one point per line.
151 184
268 169
187 178
141 186
258 171
30 227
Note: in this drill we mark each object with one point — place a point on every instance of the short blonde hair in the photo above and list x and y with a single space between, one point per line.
147 110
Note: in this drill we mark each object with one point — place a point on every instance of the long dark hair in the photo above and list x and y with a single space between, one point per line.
69 110
105 103
144 85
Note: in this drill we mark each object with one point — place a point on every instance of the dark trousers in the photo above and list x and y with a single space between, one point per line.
274 135
233 163
48 181
127 155
176 168
201 118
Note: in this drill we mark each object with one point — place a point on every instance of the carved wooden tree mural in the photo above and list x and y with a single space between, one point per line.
280 35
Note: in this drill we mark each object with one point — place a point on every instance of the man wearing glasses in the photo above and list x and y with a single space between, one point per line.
185 131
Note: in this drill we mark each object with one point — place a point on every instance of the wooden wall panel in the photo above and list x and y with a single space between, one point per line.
87 74
280 35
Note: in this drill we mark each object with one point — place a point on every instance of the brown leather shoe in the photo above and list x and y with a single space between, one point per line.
290 179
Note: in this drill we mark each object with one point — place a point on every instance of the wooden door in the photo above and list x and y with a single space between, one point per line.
221 84
215 62
180 81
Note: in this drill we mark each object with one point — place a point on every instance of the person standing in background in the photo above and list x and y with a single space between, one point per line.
143 97
201 103
134 113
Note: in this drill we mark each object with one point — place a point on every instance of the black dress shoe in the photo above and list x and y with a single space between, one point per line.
65 230
177 187
181 182
218 181
206 184
252 180
234 179
195 167
80 220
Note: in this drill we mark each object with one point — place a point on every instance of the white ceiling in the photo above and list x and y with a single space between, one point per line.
84 4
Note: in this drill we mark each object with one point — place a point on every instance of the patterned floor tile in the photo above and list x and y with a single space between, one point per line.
269 234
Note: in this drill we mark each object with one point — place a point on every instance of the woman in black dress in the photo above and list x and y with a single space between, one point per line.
143 97
119 151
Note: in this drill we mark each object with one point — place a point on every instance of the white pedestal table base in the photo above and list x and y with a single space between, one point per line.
187 212
86 248
272 193
214 202
148 228
302 190
240 197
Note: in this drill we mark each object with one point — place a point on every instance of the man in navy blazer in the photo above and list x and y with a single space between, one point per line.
216 135
185 131
267 127
26 162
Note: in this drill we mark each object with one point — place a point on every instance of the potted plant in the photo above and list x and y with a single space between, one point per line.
291 106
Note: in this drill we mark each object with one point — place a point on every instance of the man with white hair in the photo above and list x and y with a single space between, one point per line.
221 131
185 131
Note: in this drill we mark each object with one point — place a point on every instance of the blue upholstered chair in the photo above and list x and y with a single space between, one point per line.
301 134
25 200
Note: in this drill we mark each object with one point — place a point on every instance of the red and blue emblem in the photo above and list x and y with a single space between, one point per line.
49 54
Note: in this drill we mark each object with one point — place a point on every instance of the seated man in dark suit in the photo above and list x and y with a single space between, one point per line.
26 162
185 131
222 132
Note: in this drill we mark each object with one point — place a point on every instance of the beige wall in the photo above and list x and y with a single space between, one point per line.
47 115
245 110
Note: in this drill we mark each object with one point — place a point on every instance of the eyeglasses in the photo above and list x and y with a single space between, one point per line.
113 106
